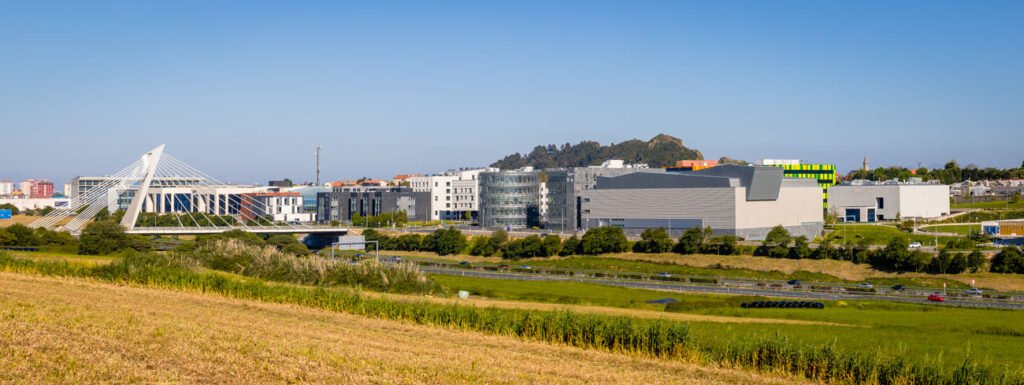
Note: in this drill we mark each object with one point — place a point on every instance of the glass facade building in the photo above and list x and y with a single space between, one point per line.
510 199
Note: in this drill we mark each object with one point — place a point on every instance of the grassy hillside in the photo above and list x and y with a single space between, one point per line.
77 331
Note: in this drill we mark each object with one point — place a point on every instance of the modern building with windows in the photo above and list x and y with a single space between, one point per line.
866 201
453 193
744 201
344 202
510 199
825 174
565 186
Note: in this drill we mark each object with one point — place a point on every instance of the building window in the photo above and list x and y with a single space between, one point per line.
880 203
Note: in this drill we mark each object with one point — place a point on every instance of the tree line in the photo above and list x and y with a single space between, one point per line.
950 173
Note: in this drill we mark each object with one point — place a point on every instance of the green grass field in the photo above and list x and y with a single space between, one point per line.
958 229
994 205
621 265
878 234
920 331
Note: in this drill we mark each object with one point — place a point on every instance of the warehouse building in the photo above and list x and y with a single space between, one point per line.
344 202
745 201
866 201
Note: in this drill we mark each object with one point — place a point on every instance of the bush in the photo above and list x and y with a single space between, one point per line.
1008 260
607 239
571 246
723 245
654 241
24 235
105 237
448 241
693 240
552 245
776 243
528 247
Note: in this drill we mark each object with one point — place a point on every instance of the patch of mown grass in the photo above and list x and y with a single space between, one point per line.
879 234
800 352
574 293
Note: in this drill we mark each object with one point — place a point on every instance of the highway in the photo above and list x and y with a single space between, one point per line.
734 288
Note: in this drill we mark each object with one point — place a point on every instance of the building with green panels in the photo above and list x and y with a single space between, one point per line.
825 174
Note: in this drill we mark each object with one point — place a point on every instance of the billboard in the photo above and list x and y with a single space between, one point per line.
352 242
5 214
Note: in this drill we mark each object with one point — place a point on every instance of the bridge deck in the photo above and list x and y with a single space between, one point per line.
251 229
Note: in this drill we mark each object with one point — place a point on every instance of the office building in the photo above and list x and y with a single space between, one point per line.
744 201
453 193
866 201
510 199
344 202
564 187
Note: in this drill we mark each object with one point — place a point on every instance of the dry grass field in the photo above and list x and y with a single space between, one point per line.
26 219
76 331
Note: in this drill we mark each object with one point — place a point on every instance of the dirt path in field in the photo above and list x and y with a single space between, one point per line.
56 330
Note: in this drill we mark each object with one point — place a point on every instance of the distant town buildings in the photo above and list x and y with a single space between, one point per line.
33 188
6 188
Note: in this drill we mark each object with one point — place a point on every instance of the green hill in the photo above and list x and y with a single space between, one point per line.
661 151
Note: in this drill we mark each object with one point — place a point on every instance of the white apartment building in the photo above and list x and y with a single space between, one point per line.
6 188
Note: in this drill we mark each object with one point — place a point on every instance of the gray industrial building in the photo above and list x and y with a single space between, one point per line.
738 200
565 187
344 202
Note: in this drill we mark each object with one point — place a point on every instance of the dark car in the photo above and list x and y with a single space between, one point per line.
464 263
899 288
793 282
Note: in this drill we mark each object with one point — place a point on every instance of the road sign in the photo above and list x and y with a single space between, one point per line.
5 214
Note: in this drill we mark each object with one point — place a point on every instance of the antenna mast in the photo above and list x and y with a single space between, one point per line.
318 165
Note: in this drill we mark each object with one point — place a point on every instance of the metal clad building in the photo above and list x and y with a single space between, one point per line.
870 202
738 200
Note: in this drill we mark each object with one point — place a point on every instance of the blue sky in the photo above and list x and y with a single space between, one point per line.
245 90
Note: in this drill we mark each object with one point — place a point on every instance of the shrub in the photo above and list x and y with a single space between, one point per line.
607 239
24 235
654 241
105 237
448 241
571 246
776 243
693 240
1008 260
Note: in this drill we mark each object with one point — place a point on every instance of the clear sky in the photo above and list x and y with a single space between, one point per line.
244 90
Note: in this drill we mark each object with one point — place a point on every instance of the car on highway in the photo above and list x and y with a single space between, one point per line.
793 282
973 291
665 274
898 288
865 285
464 263
525 267
503 266
936 297
915 245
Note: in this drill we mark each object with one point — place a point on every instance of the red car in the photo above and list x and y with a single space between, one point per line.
936 298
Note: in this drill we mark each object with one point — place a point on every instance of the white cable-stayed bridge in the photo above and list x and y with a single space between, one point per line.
160 184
